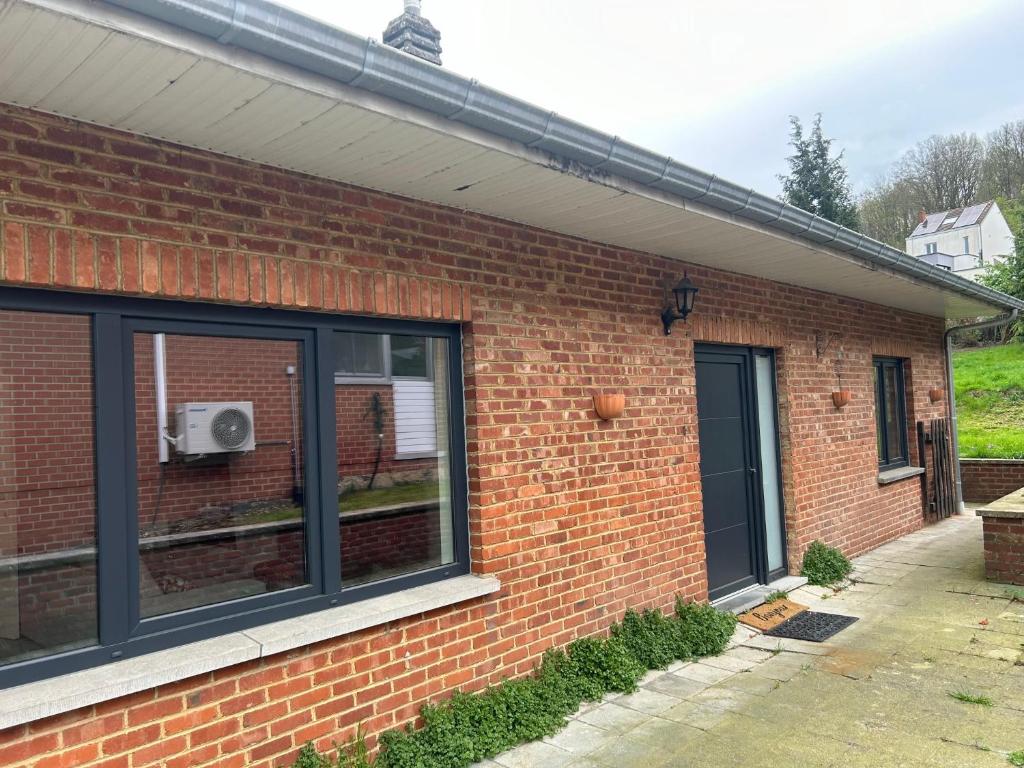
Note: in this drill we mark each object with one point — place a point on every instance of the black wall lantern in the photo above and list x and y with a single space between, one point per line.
684 292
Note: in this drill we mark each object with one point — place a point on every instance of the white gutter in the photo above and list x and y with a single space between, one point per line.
286 36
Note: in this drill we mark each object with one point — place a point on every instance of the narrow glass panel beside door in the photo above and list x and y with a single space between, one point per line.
221 510
767 431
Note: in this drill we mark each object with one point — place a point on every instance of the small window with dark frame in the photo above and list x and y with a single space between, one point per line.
890 413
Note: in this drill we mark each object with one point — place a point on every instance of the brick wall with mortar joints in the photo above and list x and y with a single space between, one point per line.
985 480
578 518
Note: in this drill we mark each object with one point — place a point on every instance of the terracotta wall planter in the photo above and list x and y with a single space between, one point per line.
935 394
842 397
609 406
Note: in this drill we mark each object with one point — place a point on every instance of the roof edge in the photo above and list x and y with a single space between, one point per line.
266 29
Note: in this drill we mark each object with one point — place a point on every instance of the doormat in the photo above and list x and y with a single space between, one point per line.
812 625
769 615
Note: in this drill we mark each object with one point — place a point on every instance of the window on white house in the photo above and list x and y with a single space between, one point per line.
967 244
360 356
931 247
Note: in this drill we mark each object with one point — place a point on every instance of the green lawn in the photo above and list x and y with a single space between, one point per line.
353 501
990 401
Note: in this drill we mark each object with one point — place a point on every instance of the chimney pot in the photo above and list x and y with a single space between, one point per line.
922 216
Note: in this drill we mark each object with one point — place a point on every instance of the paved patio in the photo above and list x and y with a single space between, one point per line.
877 694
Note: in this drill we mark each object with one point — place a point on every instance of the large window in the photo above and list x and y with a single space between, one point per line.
172 472
890 413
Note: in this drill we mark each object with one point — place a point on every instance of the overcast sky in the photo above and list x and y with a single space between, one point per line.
711 82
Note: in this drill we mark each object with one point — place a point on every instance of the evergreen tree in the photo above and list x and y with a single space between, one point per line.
817 181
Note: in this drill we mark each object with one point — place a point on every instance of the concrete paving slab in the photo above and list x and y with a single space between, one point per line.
536 754
674 685
612 717
705 673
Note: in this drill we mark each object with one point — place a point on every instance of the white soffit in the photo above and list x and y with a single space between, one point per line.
96 63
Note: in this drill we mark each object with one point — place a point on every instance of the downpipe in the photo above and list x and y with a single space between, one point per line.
947 346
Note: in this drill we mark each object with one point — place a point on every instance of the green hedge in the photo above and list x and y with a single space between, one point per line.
470 727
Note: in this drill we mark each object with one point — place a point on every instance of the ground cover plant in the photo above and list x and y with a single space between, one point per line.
771 597
824 565
990 401
470 727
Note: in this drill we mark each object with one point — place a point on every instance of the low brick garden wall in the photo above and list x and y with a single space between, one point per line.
1004 538
986 480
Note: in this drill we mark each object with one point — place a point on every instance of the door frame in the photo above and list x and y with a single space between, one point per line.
756 454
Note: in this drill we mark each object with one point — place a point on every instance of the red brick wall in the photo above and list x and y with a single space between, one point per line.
986 480
579 518
1004 549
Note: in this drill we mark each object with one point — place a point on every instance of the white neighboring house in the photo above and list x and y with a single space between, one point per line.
963 240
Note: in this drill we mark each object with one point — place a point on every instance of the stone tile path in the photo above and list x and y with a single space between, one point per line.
876 694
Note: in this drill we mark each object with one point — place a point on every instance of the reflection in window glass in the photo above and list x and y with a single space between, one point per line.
223 517
394 489
893 422
409 356
359 354
47 485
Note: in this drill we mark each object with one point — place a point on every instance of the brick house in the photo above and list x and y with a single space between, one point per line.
415 285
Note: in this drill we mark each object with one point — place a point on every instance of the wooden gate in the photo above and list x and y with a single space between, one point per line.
938 483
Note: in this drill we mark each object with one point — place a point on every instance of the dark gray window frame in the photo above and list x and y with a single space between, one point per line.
883 408
114 319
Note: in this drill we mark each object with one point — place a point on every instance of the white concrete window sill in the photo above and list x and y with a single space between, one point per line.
55 695
895 475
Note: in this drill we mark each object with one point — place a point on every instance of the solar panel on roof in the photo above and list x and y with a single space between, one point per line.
931 224
970 215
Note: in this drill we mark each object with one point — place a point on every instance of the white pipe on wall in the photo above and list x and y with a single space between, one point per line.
160 374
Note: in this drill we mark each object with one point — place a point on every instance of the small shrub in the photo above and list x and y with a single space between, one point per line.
1016 758
825 565
308 757
701 630
650 636
603 665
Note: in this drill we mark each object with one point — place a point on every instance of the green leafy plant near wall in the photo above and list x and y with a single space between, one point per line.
470 727
825 565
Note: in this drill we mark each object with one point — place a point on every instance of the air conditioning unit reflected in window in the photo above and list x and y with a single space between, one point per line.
208 428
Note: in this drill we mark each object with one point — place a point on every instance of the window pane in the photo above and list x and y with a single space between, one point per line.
47 485
359 354
395 511
409 356
893 418
223 517
879 411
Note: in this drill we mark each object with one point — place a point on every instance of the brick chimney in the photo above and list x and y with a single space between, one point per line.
413 34
922 216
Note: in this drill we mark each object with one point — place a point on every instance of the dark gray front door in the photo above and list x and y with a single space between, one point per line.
728 467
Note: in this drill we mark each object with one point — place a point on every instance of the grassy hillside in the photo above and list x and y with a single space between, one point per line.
990 401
